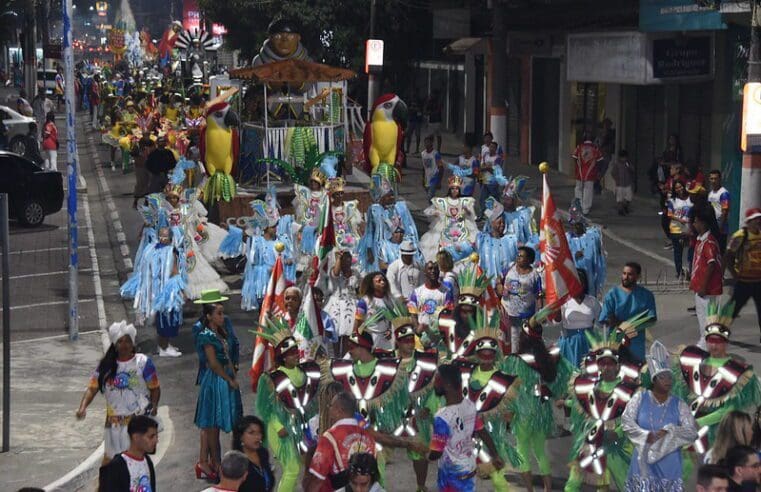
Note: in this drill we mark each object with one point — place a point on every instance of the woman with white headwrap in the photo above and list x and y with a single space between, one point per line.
659 425
129 382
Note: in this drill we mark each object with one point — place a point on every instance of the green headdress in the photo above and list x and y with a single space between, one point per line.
718 319
486 332
472 283
278 333
399 317
607 343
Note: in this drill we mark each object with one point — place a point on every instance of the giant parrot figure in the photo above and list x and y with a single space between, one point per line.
384 133
220 147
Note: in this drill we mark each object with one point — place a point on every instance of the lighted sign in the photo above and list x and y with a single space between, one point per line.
373 55
218 29
751 123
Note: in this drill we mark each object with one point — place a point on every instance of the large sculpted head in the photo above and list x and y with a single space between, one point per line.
284 37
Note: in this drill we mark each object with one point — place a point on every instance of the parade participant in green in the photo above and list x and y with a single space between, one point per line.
285 400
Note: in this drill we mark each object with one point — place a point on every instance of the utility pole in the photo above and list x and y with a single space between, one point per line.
497 108
29 47
372 81
72 165
750 187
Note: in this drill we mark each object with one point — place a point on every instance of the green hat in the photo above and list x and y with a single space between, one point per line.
210 296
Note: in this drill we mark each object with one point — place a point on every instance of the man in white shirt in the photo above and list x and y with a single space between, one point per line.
426 300
403 274
233 471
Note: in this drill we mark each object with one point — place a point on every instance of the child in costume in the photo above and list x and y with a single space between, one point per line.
453 223
285 398
347 219
600 453
544 377
715 382
307 205
587 249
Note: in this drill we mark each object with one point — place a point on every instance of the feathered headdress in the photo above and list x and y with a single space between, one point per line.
399 317
472 284
486 333
278 333
516 187
575 214
718 319
607 343
533 326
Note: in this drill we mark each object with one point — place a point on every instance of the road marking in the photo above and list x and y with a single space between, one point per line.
114 213
44 304
102 321
54 337
46 274
44 250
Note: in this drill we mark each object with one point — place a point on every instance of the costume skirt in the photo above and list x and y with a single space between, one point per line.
219 406
574 345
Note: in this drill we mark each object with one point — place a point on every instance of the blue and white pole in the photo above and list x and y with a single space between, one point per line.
71 167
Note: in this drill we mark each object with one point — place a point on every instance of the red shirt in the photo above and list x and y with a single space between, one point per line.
331 458
50 136
587 155
706 252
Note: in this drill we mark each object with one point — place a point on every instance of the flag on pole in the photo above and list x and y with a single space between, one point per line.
561 279
309 326
273 305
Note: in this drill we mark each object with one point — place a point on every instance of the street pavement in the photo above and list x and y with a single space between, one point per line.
49 374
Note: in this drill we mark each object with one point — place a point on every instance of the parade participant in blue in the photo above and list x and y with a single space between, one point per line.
261 253
453 223
578 315
587 249
490 175
307 205
543 376
519 219
659 425
466 168
497 249
286 400
493 391
388 215
715 382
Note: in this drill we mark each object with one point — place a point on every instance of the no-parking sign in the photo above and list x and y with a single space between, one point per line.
373 55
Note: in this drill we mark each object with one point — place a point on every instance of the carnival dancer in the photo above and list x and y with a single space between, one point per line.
433 167
374 297
308 204
347 219
519 219
453 223
587 249
493 391
343 281
420 368
379 245
658 425
599 395
715 382
262 247
490 175
467 169
285 398
544 376
497 249
578 315
428 299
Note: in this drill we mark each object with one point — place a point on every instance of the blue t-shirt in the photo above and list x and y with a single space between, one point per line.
624 305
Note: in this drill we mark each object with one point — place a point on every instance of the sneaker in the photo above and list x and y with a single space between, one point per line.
668 246
691 309
169 352
169 345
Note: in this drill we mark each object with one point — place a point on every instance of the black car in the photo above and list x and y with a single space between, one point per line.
34 192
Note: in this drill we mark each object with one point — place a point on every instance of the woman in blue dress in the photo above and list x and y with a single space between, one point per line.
659 425
219 404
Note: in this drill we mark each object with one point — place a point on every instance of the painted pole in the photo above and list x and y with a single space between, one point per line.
5 236
71 167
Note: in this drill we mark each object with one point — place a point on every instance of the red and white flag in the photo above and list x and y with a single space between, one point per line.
273 305
326 240
561 279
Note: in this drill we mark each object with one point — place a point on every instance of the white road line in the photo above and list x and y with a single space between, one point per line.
46 274
114 213
615 237
44 304
44 250
102 321
54 337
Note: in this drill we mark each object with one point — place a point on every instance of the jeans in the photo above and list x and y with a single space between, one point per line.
743 291
677 240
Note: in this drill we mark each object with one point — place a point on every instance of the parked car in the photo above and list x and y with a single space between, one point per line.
16 125
46 80
33 192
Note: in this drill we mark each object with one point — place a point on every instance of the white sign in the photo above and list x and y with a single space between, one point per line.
619 57
751 124
373 54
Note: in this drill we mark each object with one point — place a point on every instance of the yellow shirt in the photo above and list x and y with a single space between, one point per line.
748 261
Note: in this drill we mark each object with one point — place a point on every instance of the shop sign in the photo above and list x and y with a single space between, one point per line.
682 57
678 15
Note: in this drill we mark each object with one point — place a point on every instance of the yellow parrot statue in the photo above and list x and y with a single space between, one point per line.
384 133
219 146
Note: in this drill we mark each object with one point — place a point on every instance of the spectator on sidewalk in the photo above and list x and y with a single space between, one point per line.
232 472
625 301
426 300
159 163
95 101
719 198
32 146
41 106
706 279
587 158
128 381
433 167
133 470
743 259
248 436
328 467
522 292
414 123
404 274
679 209
59 86
50 142
432 112
606 142
22 104
623 175
487 140
666 188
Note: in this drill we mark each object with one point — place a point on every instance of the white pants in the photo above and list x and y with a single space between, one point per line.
700 309
623 194
51 160
584 191
95 116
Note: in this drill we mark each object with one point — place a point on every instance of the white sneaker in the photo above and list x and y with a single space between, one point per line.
169 352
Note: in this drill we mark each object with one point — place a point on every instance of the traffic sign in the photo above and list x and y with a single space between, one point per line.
373 55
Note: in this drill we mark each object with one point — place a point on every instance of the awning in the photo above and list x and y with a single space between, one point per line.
293 72
462 45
